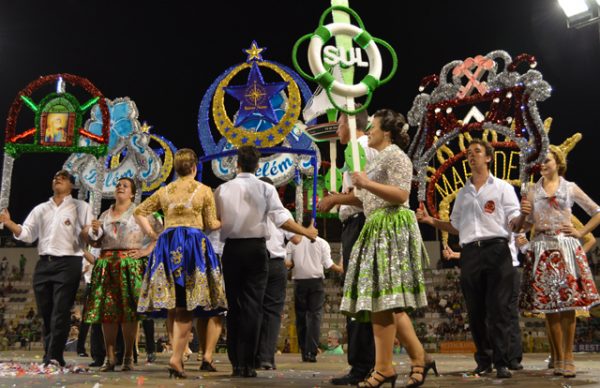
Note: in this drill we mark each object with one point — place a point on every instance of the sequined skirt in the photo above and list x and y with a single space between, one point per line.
184 257
114 288
385 271
556 276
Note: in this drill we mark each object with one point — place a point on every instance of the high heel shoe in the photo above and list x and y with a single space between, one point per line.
127 364
413 382
109 366
430 365
176 373
569 369
558 368
375 375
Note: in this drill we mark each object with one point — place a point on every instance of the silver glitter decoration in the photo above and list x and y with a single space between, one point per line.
140 163
7 170
535 87
299 200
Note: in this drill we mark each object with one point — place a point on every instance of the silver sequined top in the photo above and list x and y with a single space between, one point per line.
390 167
549 213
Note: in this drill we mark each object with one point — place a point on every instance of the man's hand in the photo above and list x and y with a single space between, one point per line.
525 206
423 215
311 232
326 203
4 216
137 253
96 226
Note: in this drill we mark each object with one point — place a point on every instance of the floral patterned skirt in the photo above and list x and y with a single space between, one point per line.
115 286
385 271
556 276
183 257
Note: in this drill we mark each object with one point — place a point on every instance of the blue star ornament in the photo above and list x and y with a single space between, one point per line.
255 97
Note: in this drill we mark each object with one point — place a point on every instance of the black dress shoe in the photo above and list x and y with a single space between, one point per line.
310 357
502 372
267 365
97 363
83 354
482 369
237 371
151 357
304 358
515 365
348 379
249 372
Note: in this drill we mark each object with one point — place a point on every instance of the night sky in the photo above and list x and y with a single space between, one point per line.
165 54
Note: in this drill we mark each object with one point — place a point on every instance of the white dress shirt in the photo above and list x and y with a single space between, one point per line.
309 258
244 205
57 228
484 214
347 211
276 243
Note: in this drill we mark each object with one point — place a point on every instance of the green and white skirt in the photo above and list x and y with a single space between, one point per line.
385 271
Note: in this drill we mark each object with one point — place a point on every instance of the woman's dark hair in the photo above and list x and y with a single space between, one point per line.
185 160
248 157
133 187
395 124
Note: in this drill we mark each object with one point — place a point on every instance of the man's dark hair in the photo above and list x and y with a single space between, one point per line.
248 157
267 180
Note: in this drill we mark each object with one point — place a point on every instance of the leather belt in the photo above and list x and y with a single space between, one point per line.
483 243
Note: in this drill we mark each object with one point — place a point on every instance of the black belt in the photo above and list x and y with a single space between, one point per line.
52 258
483 243
350 218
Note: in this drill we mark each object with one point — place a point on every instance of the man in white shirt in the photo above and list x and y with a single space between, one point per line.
274 299
307 261
57 225
243 205
361 348
485 211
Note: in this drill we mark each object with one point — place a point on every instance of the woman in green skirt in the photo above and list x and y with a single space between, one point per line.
384 279
117 274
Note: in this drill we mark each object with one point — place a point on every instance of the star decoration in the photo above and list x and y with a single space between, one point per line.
145 127
255 97
254 52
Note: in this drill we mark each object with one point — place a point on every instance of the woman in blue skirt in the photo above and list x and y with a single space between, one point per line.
184 275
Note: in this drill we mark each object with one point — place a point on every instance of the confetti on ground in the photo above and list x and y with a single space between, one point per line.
15 369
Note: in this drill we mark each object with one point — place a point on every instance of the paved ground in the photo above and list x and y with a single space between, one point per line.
293 373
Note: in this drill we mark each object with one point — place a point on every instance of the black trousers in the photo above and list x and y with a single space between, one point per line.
309 296
245 270
361 345
55 283
272 307
97 350
515 351
486 280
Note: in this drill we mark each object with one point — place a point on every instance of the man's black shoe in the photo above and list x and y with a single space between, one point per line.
151 357
348 379
237 371
304 357
97 363
482 369
311 357
502 372
266 365
83 354
515 365
249 372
